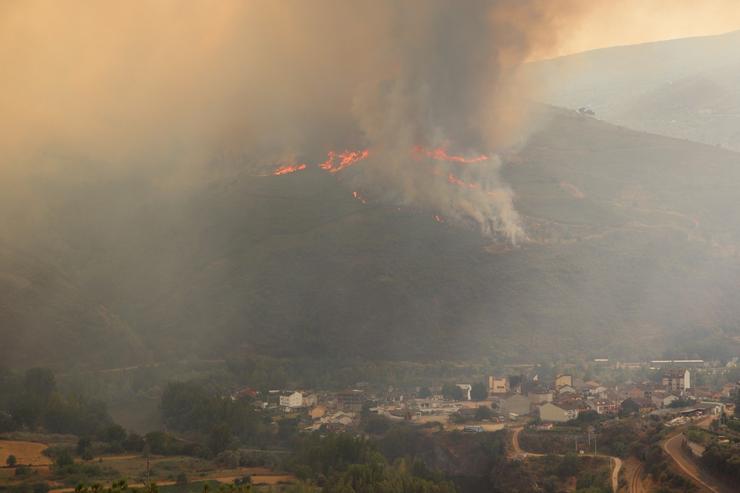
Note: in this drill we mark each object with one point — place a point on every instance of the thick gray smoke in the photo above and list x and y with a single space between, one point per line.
162 87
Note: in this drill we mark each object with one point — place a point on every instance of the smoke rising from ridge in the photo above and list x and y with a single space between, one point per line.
161 87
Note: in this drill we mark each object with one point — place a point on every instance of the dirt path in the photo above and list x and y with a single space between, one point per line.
615 472
633 471
518 453
672 447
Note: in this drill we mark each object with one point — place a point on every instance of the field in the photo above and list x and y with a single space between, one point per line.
26 453
106 468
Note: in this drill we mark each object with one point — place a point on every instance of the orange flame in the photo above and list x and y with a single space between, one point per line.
284 170
457 181
440 154
346 159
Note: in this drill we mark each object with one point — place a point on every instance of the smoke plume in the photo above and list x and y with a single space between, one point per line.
160 88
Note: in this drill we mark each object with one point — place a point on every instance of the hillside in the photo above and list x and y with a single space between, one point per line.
685 88
45 317
633 249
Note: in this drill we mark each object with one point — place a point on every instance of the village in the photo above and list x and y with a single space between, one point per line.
512 400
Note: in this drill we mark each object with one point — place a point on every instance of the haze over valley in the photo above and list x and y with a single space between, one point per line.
369 247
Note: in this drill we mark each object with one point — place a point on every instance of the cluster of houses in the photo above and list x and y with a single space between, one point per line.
563 399
567 397
316 409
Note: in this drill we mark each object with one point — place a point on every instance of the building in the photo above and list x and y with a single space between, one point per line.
663 399
645 405
566 389
310 400
291 400
563 380
683 363
244 393
498 385
630 365
676 380
639 391
604 406
558 413
351 400
538 397
517 404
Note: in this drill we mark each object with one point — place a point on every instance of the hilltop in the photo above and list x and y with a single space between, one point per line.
685 88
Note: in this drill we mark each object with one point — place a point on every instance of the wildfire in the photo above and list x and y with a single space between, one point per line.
335 162
345 159
457 181
284 170
440 154
338 161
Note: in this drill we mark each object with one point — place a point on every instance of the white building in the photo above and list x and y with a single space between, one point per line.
291 400
676 380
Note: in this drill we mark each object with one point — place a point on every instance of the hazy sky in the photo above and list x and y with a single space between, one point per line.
621 22
162 83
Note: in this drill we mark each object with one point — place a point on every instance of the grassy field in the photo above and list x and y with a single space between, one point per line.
26 453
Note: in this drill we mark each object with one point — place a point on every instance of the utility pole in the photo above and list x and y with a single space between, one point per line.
146 453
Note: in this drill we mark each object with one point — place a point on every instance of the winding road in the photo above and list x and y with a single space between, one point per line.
682 459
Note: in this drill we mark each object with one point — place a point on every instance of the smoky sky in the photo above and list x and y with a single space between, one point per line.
161 87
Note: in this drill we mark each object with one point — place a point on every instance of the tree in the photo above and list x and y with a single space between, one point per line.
479 391
64 459
40 382
629 408
589 416
133 443
219 438
41 488
483 412
568 466
83 447
376 424
182 482
425 393
114 434
452 392
11 461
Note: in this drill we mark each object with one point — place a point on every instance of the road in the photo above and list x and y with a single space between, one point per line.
672 447
615 471
518 452
616 462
